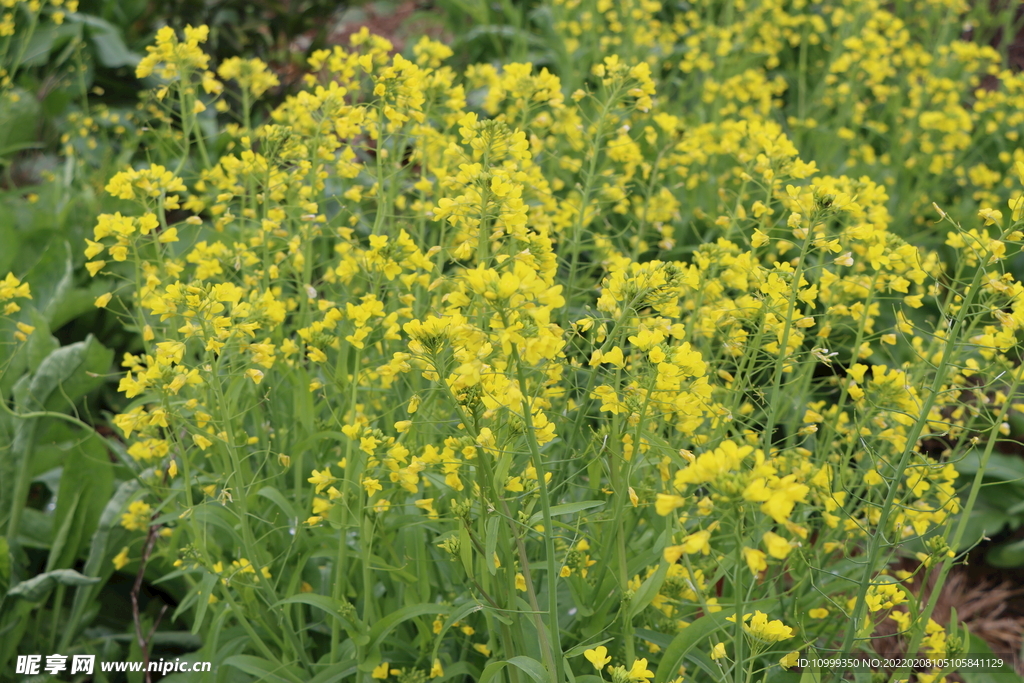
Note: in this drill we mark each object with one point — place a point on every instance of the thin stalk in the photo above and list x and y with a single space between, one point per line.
875 543
555 644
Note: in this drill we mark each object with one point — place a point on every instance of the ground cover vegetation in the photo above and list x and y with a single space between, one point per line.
666 342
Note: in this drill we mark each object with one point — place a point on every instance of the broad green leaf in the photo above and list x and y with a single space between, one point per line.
1002 467
85 486
274 496
19 122
566 509
1006 555
583 647
491 542
97 564
203 599
466 550
44 41
979 646
5 567
530 666
681 645
63 528
648 590
35 529
66 375
335 673
265 670
456 616
38 587
353 626
387 624
41 344
108 43
52 277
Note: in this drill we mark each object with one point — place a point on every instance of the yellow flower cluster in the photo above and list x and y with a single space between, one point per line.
554 342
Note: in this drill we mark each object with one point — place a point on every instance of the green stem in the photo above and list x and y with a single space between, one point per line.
555 654
875 542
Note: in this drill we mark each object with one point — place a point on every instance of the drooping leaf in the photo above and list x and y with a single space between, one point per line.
39 586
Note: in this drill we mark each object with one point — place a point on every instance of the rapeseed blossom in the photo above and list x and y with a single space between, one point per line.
469 309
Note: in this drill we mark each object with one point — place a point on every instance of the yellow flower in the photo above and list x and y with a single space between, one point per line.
13 288
380 671
718 651
873 478
121 559
778 547
697 542
790 660
818 613
520 582
614 357
138 516
321 479
436 670
640 672
769 631
755 560
665 503
597 656
102 300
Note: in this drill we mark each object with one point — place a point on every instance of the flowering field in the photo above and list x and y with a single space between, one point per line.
562 342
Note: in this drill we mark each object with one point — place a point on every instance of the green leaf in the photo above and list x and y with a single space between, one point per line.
456 616
466 550
52 277
1002 467
583 647
648 590
38 587
35 529
203 599
979 646
44 41
63 529
1006 555
384 626
41 344
66 375
530 666
682 644
810 675
96 564
353 626
335 516
491 542
335 673
19 126
566 509
107 41
274 496
85 488
264 669
5 567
